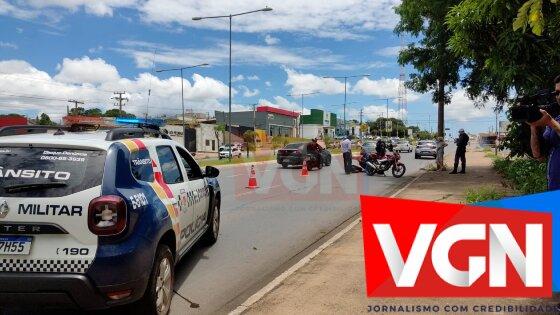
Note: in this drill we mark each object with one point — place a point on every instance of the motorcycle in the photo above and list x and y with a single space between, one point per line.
374 164
313 162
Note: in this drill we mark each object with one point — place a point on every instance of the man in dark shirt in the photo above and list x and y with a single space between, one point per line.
462 143
314 148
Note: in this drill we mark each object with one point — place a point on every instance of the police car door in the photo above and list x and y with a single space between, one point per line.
173 176
199 197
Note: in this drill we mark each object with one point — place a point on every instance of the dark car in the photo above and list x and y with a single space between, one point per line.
294 153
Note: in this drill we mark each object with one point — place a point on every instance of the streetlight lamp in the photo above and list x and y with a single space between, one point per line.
182 92
346 79
302 95
230 16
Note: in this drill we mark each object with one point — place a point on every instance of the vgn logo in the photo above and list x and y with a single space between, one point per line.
432 249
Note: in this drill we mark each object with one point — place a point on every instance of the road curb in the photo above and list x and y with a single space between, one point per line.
305 260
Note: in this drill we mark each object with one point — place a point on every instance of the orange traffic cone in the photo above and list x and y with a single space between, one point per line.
304 171
252 179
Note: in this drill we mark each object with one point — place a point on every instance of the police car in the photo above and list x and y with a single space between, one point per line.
97 219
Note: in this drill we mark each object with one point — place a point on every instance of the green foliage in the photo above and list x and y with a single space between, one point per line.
116 113
484 193
76 111
328 140
425 135
249 139
93 112
45 120
531 14
437 67
219 129
377 127
528 176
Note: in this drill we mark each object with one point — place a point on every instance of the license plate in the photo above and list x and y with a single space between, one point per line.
15 245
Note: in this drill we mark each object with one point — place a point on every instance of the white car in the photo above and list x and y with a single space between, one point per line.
425 148
403 146
99 219
224 152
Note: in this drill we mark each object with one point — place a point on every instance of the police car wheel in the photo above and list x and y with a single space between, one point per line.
158 295
211 235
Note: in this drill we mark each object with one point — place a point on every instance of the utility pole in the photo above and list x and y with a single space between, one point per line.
120 100
345 82
361 115
76 105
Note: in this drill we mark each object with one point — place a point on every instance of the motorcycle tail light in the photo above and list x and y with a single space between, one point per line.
107 215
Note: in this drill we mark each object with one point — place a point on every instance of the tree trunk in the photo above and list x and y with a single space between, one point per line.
441 108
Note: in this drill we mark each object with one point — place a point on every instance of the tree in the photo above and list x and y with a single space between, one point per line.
378 127
249 139
94 112
531 14
502 62
219 129
45 120
76 111
436 65
117 113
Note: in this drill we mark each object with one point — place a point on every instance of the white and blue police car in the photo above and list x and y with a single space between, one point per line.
96 219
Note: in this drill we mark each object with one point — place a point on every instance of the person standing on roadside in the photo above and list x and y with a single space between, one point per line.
462 143
440 145
346 146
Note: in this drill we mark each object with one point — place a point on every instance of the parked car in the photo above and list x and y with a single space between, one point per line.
403 146
425 148
224 152
293 154
99 219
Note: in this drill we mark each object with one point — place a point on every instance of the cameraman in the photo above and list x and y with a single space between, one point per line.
551 137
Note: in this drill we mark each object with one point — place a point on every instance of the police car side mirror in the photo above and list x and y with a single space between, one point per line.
211 172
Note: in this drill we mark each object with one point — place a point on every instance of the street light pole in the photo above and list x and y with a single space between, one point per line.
183 92
345 80
300 129
230 16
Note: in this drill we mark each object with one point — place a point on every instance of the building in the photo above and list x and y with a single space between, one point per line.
352 128
12 120
200 138
275 121
318 124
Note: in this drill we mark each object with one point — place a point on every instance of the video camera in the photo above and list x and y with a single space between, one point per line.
528 108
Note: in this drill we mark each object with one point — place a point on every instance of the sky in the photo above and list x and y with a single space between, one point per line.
55 50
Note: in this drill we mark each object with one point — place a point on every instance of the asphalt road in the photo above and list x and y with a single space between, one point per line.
263 231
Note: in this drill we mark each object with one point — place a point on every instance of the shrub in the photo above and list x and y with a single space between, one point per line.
528 176
483 193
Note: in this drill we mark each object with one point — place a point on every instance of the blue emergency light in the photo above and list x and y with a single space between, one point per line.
140 121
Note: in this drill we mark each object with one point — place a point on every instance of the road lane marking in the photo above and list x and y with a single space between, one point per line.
278 280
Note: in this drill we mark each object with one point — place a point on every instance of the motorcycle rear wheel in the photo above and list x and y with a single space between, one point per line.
398 170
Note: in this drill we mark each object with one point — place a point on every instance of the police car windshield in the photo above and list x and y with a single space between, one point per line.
46 172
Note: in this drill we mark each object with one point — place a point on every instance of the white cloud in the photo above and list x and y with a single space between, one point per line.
253 78
248 92
18 78
86 70
390 51
281 102
270 40
382 88
217 54
98 7
307 83
8 45
339 19
238 78
372 112
462 108
95 50
267 83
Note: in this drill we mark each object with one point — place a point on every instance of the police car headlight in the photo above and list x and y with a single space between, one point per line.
107 215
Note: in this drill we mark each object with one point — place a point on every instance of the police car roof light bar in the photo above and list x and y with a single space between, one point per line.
128 133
